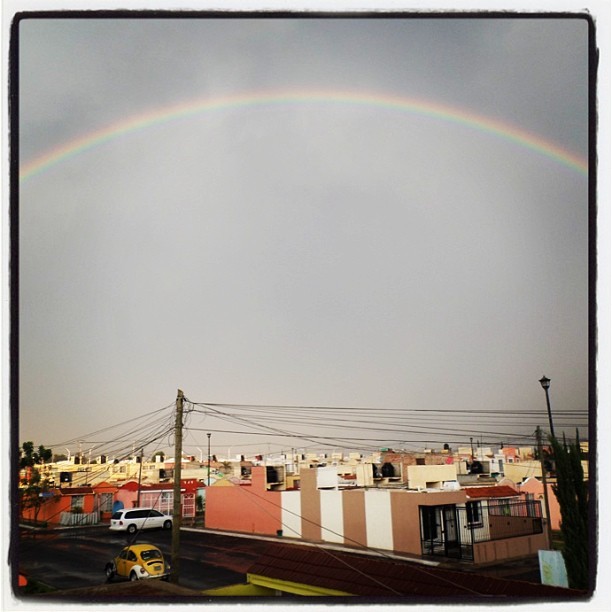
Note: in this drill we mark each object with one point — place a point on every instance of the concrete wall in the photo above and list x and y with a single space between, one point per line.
517 472
420 475
354 517
310 505
510 548
248 509
332 524
379 527
291 515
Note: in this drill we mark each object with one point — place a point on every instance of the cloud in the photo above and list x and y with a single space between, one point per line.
300 253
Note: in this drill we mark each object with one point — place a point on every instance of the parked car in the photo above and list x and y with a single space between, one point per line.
135 519
138 562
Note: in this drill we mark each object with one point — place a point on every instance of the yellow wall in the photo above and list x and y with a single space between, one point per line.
420 475
240 590
517 472
294 588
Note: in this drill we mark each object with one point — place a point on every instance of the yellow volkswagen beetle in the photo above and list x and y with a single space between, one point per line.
138 562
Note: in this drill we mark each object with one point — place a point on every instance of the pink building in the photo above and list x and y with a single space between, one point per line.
534 489
159 496
431 523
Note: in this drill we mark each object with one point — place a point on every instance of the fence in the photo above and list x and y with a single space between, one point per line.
452 531
499 519
71 519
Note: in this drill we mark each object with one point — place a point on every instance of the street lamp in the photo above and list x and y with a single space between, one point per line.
208 482
545 382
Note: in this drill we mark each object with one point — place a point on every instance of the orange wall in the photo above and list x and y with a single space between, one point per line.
353 511
406 523
246 508
406 517
535 486
310 500
51 509
511 548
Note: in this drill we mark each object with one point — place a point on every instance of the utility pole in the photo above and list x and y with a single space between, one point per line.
543 468
208 481
176 508
139 478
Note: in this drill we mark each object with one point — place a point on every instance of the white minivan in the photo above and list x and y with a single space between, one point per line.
135 519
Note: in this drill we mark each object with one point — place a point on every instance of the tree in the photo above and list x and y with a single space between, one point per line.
31 493
572 494
28 457
32 485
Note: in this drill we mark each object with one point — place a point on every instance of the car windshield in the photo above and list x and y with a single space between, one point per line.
148 555
117 515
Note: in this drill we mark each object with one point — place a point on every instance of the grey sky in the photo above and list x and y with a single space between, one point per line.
302 254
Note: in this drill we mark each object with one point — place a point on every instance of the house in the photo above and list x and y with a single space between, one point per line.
104 498
65 506
533 488
159 496
428 523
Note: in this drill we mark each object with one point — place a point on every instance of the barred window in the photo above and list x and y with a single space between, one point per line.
77 502
474 513
106 502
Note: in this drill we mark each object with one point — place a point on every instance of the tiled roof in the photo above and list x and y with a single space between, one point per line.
499 491
75 490
367 576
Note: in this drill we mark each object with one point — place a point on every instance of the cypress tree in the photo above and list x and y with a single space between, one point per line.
572 494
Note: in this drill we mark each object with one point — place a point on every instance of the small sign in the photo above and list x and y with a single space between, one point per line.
552 568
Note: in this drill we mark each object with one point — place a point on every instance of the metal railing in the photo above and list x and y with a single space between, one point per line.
452 531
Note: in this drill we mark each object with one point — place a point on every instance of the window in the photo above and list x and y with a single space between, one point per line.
77 502
166 502
149 555
474 513
106 502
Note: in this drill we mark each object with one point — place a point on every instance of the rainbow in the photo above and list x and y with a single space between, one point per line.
236 102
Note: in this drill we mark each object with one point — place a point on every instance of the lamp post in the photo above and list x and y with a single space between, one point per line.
545 382
208 481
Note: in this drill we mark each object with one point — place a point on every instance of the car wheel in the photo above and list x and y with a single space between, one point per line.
131 529
133 576
110 572
168 525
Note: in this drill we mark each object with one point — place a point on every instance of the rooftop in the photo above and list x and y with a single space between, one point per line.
367 576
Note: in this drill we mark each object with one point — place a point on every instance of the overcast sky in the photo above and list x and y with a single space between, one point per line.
303 252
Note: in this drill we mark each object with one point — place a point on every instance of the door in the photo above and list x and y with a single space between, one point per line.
452 544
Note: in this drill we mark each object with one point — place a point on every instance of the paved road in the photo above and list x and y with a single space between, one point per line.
73 558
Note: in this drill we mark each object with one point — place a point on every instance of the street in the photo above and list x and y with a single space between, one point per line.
72 558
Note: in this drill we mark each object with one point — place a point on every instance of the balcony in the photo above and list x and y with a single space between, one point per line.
452 531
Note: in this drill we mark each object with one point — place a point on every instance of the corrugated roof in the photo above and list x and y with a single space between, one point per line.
367 576
498 491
